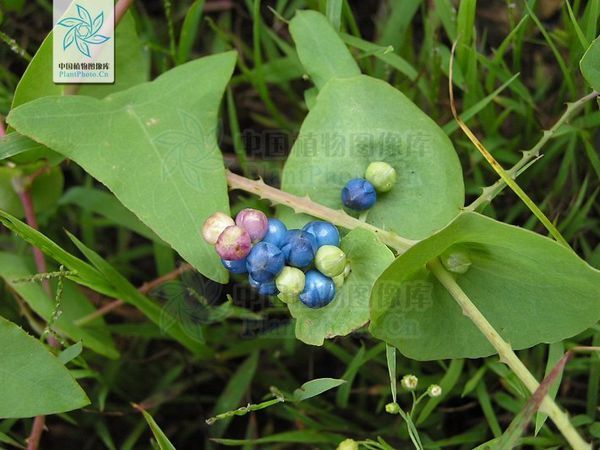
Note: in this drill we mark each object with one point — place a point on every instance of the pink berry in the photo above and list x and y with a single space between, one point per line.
233 244
214 226
254 222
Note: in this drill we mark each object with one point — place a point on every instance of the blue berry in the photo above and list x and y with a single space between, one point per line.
359 194
265 288
264 262
299 248
238 266
275 233
318 291
324 232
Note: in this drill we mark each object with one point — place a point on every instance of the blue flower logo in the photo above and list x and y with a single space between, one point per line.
83 30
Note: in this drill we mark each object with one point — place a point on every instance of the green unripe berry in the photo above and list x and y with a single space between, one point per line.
381 175
348 444
288 298
392 408
290 282
456 261
330 260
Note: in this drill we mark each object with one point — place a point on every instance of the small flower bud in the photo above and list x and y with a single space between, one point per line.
233 243
214 226
392 408
456 261
254 222
290 281
348 444
409 382
381 175
330 260
434 390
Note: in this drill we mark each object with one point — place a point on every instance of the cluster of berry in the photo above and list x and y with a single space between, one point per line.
361 193
304 264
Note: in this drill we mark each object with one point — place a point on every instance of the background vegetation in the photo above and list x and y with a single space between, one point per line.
516 68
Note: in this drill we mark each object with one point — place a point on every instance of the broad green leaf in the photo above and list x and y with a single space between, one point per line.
132 67
590 64
105 204
359 120
349 310
154 146
530 288
320 49
45 190
74 305
161 438
34 382
14 144
316 387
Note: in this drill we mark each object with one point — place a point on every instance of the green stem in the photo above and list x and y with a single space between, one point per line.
340 218
507 355
490 192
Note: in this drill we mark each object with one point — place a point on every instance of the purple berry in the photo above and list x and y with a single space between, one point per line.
359 194
233 244
254 222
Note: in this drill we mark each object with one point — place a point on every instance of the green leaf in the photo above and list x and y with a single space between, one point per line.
74 305
14 144
34 382
349 310
590 64
189 31
359 120
45 190
105 204
161 438
316 387
154 146
320 49
133 67
70 353
530 288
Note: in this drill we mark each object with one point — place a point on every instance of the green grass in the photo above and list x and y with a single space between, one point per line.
516 69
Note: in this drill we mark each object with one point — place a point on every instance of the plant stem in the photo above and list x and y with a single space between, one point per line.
490 192
307 206
507 355
400 244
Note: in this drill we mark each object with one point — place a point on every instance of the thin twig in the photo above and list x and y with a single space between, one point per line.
490 192
144 289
